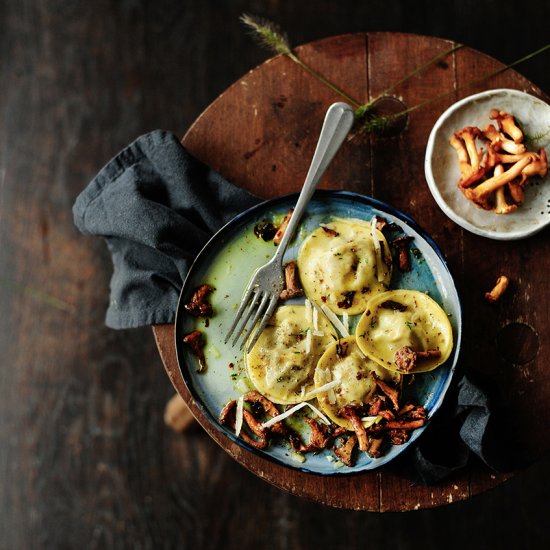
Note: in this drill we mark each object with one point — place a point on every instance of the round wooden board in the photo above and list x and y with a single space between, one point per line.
261 134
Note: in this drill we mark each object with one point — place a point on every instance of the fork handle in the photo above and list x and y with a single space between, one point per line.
337 124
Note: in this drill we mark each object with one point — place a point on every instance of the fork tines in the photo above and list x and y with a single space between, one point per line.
255 304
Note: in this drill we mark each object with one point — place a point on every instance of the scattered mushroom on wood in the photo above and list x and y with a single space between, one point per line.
498 290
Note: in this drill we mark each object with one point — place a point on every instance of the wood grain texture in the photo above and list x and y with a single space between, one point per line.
85 458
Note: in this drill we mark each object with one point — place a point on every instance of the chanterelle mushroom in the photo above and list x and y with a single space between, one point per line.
282 228
480 194
470 163
538 166
501 206
463 158
507 124
498 290
293 288
500 142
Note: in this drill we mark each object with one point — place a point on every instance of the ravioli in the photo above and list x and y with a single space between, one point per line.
339 266
345 362
279 364
400 319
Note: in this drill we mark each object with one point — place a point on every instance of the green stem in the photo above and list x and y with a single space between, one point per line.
320 77
38 295
472 82
420 69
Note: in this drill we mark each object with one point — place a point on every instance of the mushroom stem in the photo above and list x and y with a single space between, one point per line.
481 192
498 290
293 288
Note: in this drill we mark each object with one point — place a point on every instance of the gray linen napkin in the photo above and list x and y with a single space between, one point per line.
156 206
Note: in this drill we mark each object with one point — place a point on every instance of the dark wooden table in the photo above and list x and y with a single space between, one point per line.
85 458
504 346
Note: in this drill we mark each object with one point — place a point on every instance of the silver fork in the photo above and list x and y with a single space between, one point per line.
262 293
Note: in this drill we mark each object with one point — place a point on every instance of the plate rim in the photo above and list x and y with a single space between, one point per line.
432 184
324 194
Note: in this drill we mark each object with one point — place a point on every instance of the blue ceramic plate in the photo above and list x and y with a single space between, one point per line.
227 262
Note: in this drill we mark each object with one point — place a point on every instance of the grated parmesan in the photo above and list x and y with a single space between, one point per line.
316 331
321 389
315 319
239 415
345 320
308 341
377 250
292 410
335 321
307 303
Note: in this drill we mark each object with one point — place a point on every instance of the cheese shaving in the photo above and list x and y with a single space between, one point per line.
335 321
292 410
316 331
308 341
377 250
307 303
327 375
323 388
315 320
239 415
345 320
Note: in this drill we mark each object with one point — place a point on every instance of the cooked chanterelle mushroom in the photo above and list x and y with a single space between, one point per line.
498 290
480 195
507 124
496 179
464 143
501 205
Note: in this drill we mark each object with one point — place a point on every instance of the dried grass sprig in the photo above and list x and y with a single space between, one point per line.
468 84
267 34
37 295
270 36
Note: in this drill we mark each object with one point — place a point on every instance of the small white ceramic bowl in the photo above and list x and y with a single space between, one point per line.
442 169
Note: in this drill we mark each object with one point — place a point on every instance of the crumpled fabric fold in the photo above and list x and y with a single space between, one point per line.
156 206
